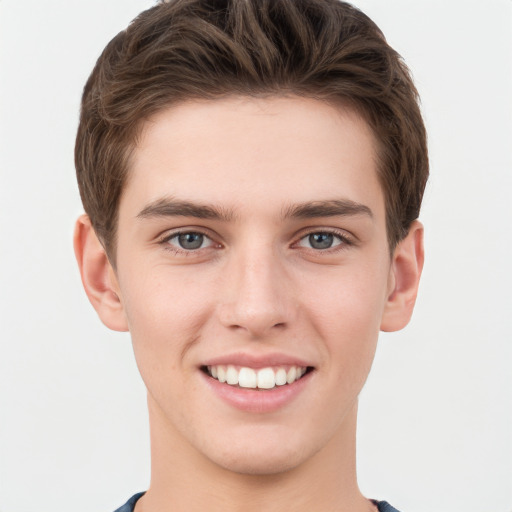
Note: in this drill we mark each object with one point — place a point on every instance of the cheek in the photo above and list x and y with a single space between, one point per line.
165 313
346 311
348 299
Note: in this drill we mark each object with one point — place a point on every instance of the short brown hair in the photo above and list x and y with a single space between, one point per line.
186 49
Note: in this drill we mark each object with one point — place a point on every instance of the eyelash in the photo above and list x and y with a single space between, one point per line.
164 241
344 241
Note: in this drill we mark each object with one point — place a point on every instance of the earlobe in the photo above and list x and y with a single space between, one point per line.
98 276
406 267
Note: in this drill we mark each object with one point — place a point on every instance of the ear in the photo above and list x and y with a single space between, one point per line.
98 276
404 279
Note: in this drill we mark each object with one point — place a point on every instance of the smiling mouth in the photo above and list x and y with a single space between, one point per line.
261 378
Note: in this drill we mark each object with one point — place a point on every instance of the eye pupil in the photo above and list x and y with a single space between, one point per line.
191 240
321 240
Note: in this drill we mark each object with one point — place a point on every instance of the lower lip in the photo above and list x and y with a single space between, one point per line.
257 401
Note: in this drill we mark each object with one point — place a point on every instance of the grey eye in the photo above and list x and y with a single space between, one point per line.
190 241
321 240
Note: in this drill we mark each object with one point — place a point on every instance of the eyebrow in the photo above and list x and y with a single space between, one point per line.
169 207
330 208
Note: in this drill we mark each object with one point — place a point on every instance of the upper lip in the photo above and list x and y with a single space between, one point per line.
256 361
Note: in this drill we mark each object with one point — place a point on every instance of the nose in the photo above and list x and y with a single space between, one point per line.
257 296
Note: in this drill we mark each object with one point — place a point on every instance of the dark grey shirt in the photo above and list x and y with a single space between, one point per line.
130 505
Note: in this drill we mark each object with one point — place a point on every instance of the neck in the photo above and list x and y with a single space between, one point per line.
184 479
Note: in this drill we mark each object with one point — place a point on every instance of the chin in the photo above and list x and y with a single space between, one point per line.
265 464
260 458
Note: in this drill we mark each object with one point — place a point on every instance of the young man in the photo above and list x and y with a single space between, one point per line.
252 173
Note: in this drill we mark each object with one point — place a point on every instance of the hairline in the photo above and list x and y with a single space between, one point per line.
337 102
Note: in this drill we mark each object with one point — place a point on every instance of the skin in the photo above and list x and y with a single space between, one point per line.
256 286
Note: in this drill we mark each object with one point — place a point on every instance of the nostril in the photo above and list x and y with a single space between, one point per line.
256 318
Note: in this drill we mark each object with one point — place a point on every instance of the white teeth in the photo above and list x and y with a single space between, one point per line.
221 373
281 377
291 375
247 378
232 375
264 378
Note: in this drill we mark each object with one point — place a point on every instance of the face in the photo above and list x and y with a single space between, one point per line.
252 248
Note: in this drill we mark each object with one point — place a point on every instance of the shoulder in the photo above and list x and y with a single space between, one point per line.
384 506
130 504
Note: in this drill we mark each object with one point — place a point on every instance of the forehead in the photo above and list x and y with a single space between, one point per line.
250 154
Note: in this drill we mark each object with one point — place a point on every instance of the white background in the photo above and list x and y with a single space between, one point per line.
436 415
